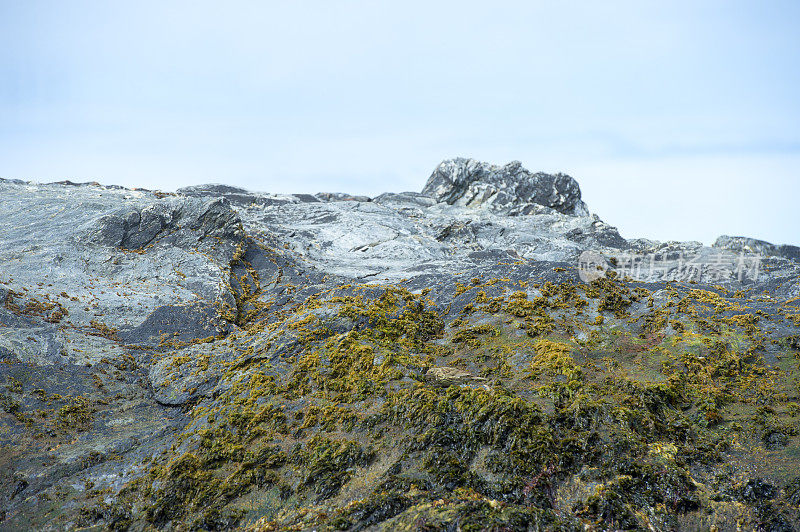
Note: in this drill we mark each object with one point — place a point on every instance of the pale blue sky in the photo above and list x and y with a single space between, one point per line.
680 120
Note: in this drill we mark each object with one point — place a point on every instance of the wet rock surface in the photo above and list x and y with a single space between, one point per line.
218 358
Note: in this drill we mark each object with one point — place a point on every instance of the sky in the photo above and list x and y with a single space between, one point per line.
680 120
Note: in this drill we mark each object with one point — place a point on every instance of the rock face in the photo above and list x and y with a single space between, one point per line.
217 358
508 189
133 229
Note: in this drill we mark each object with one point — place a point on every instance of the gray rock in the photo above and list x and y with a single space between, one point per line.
176 324
152 303
405 199
241 197
510 189
186 374
340 196
741 243
133 229
211 189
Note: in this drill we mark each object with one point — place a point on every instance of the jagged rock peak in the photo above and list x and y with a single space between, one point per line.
510 188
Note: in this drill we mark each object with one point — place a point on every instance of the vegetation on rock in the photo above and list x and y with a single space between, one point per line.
625 422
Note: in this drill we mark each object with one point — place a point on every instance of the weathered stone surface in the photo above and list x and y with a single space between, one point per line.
510 189
340 196
135 323
64 244
177 323
185 374
393 237
741 243
133 229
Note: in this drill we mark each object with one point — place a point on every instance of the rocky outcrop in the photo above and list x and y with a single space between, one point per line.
508 189
218 358
133 229
751 245
404 235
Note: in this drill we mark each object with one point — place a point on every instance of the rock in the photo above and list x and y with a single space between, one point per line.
212 189
290 338
399 236
405 200
241 197
757 489
176 324
751 245
185 374
510 189
172 360
793 491
133 229
340 196
113 256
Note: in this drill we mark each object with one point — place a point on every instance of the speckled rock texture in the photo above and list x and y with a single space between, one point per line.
217 358
509 189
